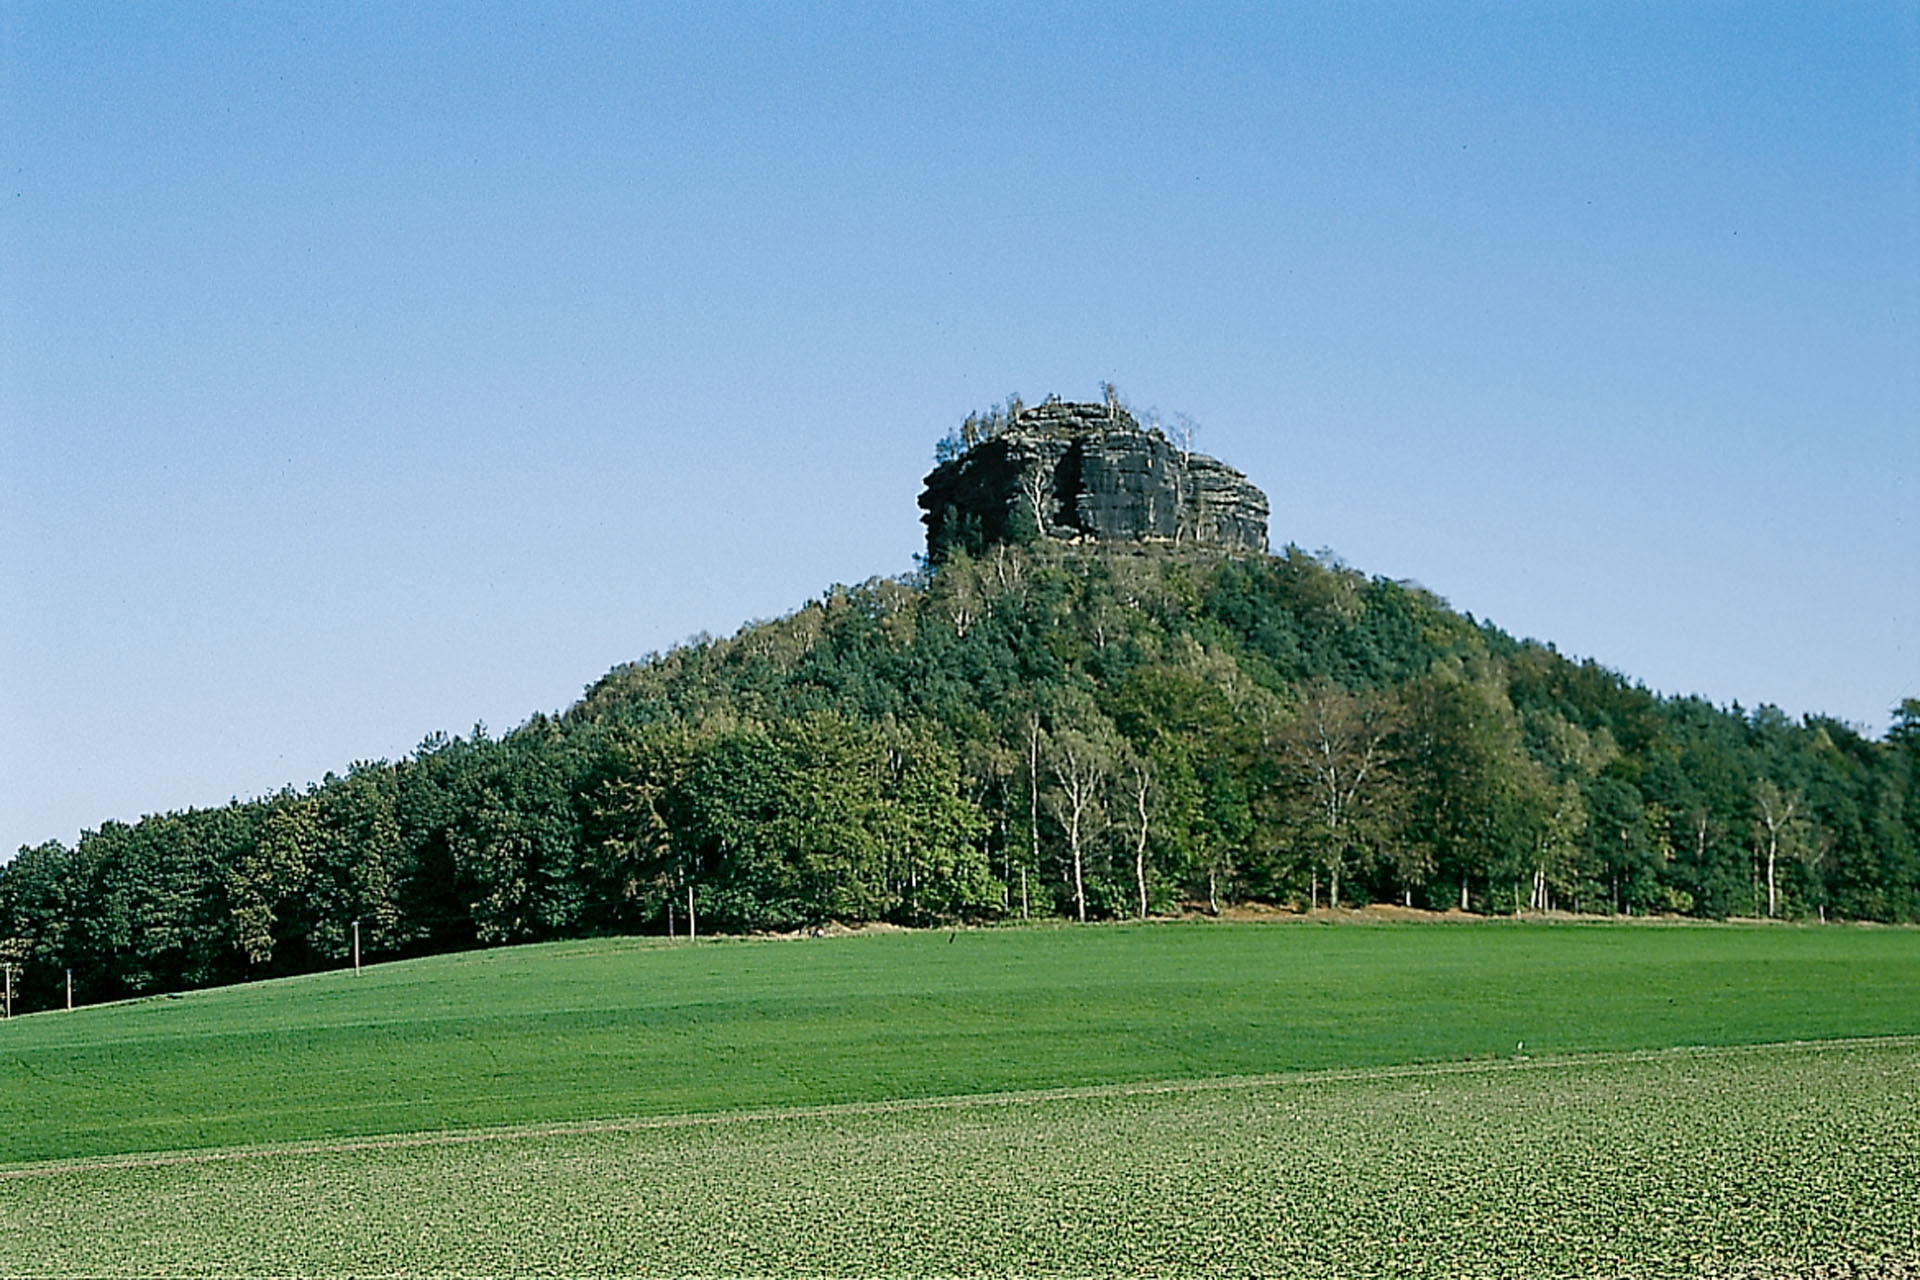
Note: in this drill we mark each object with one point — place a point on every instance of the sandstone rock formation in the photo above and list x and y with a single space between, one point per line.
1087 471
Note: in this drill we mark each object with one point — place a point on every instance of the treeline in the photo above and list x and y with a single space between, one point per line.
1038 731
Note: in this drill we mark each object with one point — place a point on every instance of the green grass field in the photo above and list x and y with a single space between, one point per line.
1260 1098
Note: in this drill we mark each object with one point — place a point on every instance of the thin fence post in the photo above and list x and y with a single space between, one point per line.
69 991
356 947
693 932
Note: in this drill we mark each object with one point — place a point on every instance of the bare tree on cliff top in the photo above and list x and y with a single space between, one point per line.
1034 488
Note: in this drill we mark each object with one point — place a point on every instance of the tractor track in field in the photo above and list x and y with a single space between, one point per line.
946 1102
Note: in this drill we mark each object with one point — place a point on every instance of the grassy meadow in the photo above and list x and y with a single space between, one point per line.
1284 1098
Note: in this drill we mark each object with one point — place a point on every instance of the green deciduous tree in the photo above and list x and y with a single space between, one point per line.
268 878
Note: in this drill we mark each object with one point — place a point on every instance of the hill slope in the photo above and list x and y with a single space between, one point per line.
1048 730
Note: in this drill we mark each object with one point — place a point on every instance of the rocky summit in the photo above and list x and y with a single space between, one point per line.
1078 472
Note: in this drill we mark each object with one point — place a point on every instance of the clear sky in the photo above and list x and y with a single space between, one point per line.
372 370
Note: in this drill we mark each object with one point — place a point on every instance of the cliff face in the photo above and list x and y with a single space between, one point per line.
1088 471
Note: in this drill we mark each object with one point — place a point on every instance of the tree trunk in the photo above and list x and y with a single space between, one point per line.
1079 885
1777 820
1079 890
1140 846
1033 806
1006 852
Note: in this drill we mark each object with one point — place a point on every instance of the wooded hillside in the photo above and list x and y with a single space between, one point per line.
1043 730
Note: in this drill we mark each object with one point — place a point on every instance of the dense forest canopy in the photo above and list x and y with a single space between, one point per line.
1037 730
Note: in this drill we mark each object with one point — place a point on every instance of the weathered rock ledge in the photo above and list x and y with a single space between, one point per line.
1088 472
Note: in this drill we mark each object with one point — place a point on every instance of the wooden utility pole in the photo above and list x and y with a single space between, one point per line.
356 948
693 932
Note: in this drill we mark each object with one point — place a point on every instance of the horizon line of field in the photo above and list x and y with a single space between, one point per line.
945 1102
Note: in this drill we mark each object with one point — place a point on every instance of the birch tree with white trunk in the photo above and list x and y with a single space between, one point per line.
1336 754
1780 830
1081 766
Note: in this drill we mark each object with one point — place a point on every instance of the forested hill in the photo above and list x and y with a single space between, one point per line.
1044 730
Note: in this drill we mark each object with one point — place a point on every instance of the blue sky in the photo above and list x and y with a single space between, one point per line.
368 372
